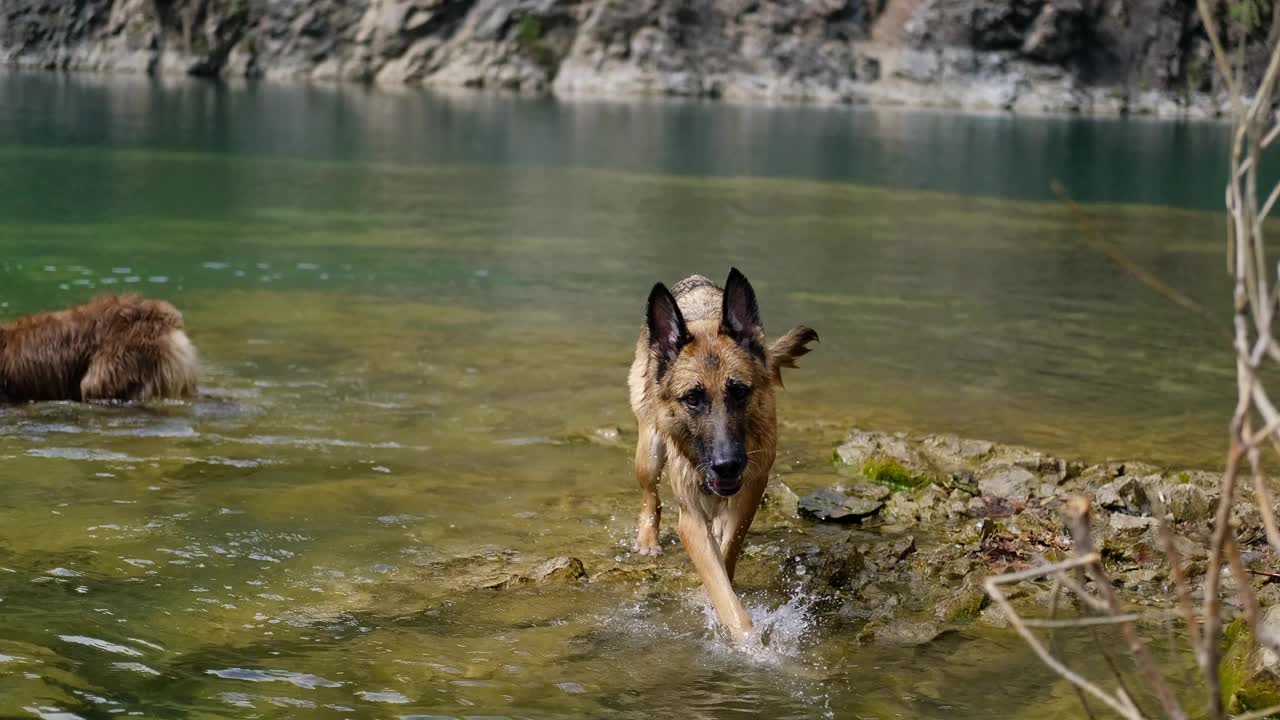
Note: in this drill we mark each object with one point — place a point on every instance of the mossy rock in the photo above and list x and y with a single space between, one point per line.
892 474
890 459
1249 678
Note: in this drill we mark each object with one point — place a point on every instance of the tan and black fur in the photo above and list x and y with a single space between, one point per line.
702 389
115 347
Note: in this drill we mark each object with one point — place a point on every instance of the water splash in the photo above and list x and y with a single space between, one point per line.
778 633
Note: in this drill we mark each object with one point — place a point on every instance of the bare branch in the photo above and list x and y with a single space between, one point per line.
1253 612
1174 558
1082 622
1122 706
1271 136
1263 499
1078 522
1271 200
1209 650
1053 643
1255 305
1089 598
1219 54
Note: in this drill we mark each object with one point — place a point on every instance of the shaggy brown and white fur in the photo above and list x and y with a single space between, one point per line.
115 347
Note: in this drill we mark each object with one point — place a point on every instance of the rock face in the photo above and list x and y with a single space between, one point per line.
1101 56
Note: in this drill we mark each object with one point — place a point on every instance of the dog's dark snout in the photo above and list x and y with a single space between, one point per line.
728 468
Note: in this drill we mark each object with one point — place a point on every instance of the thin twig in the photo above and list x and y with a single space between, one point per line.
1271 200
1271 136
1263 500
1078 522
992 586
1046 570
1057 648
1089 599
1219 54
1082 622
1174 558
1255 305
1209 650
1252 611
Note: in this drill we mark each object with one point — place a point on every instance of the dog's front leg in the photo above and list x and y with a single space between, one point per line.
650 457
695 534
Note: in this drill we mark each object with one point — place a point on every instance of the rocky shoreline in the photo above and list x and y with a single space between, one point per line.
1028 56
897 551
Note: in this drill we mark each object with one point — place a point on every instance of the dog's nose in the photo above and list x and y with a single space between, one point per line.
728 468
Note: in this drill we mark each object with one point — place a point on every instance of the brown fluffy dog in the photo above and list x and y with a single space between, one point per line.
702 389
112 348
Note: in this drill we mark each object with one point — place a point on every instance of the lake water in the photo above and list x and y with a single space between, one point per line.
415 312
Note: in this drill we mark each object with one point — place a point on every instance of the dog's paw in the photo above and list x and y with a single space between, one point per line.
653 550
647 542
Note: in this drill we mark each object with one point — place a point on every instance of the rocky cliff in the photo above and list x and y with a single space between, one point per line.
1102 56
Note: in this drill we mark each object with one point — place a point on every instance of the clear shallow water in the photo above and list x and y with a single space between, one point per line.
414 315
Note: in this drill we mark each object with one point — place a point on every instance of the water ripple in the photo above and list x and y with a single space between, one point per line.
100 645
302 680
386 696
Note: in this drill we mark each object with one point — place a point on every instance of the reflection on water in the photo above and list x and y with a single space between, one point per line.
1128 160
416 317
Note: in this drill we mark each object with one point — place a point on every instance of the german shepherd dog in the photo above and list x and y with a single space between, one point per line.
115 347
702 388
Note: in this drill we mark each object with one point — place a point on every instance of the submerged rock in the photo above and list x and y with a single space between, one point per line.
829 504
901 631
561 569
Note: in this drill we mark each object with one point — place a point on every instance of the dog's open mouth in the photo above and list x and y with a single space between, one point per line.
721 488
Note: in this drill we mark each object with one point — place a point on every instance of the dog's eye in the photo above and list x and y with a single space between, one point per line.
738 391
695 398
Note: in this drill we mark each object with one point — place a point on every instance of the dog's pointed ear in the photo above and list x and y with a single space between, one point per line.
667 331
740 316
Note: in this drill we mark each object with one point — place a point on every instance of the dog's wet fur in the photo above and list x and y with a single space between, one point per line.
702 389
113 348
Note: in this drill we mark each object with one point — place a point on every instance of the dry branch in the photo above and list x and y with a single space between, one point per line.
1255 124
